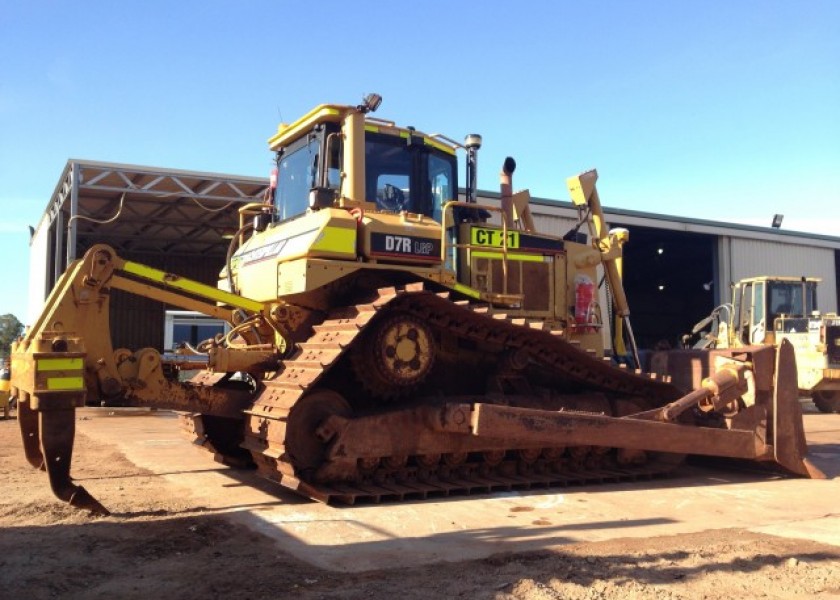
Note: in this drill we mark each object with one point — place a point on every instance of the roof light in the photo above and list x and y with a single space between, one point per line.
370 103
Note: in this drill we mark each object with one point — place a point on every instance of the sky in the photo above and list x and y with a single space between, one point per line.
717 110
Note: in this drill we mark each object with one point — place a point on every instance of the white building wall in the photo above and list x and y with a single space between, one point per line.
752 258
38 264
553 225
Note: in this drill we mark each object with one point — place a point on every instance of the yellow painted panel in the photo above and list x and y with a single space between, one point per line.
467 291
511 256
320 113
439 146
479 236
60 364
194 287
336 239
65 383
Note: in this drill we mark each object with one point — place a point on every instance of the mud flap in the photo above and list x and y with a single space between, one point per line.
789 445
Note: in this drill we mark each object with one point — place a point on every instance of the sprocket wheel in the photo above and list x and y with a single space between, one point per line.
396 356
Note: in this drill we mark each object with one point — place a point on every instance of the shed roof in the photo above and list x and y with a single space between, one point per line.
140 209
143 209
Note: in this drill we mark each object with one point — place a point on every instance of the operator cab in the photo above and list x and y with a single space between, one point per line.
404 172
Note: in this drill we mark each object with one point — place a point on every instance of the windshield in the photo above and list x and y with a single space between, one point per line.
792 298
403 175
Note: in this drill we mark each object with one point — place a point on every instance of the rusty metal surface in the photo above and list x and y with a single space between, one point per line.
57 430
579 429
790 447
30 431
537 410
687 368
210 400
399 448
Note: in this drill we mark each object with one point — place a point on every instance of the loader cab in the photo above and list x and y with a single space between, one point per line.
762 305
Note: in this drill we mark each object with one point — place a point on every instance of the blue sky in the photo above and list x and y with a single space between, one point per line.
717 109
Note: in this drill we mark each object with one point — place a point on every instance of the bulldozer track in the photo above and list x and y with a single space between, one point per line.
479 470
473 480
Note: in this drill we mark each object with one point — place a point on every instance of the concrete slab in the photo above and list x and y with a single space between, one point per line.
468 527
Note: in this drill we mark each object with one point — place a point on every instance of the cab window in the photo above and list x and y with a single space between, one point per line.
388 165
758 325
441 182
745 311
407 174
297 173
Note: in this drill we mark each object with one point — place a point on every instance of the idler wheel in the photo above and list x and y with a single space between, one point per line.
306 448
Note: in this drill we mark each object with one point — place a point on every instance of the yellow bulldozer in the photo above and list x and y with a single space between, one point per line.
388 340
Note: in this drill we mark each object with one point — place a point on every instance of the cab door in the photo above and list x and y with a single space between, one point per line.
758 316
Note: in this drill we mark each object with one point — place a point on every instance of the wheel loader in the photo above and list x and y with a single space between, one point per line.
389 340
769 309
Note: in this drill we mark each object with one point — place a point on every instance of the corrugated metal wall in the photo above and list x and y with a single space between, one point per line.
552 225
751 258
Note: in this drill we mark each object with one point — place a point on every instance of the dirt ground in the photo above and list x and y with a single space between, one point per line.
157 544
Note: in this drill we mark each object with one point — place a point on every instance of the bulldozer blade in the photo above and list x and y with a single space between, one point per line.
790 448
30 431
58 430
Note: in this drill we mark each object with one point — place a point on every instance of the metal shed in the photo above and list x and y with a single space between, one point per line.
170 219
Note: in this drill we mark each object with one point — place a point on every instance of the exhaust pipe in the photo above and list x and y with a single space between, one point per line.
506 190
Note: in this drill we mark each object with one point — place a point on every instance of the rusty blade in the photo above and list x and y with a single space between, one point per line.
789 445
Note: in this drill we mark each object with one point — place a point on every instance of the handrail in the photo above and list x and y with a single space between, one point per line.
445 245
